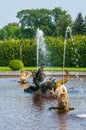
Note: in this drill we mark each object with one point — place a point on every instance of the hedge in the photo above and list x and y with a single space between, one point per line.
25 50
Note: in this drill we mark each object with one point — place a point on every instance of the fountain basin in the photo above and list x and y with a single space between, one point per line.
19 110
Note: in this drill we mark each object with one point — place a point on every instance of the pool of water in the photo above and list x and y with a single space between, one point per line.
25 111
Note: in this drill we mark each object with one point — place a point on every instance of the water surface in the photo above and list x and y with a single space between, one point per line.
25 111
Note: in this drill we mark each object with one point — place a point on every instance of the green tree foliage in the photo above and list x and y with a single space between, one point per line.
50 21
53 23
61 19
12 30
36 18
85 26
79 25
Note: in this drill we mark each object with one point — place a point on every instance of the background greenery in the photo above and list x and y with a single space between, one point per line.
53 23
10 49
17 37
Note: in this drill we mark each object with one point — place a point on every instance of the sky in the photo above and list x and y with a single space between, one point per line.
9 8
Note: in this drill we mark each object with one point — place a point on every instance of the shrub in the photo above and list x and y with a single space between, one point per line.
16 64
10 49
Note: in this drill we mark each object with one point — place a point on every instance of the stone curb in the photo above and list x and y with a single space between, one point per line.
47 73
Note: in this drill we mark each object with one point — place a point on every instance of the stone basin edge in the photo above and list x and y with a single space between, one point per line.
47 73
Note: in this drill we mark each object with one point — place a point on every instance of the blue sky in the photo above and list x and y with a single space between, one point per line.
9 8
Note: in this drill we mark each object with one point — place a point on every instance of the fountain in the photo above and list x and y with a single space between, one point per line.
75 55
68 30
19 110
20 52
41 48
38 77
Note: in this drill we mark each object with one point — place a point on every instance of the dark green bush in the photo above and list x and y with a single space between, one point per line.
16 64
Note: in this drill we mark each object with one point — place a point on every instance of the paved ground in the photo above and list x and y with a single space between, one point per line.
48 73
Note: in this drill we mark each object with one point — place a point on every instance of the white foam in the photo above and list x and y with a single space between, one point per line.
82 115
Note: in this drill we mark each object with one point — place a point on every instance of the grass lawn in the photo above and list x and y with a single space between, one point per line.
2 69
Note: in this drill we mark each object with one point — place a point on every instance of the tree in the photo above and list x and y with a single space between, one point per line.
52 22
62 19
62 23
85 26
12 30
36 18
79 25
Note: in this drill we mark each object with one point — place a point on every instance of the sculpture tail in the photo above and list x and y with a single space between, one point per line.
60 82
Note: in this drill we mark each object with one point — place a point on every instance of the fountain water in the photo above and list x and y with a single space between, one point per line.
41 48
75 61
68 31
74 49
21 52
